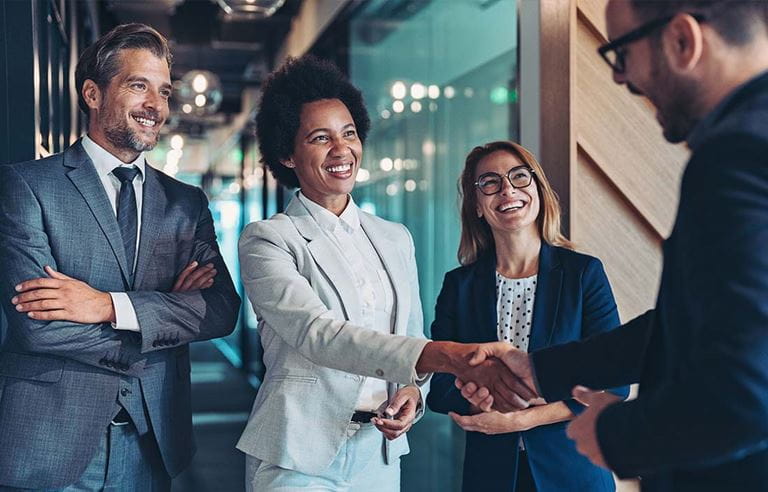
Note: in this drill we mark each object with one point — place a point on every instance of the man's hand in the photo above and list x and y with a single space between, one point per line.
63 298
402 409
583 429
492 422
518 363
195 278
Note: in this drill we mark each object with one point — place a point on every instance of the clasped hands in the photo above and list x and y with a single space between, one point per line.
59 297
500 378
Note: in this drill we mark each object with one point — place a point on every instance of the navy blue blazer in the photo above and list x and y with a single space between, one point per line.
573 301
700 421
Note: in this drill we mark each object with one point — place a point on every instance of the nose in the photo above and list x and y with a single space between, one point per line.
154 100
339 148
506 187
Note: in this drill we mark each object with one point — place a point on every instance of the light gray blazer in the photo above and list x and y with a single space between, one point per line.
316 350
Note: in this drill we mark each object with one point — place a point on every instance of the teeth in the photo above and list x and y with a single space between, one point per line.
145 121
504 208
339 169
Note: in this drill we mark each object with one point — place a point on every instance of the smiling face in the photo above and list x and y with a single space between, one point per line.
648 74
127 115
326 153
511 209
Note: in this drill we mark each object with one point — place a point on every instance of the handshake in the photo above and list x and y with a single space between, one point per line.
492 376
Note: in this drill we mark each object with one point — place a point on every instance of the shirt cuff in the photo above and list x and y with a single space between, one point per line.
125 315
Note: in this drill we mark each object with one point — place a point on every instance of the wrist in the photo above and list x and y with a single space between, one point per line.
443 357
109 315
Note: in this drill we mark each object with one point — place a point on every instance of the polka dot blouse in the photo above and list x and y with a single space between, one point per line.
514 308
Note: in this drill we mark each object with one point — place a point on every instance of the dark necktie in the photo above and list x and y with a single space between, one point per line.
127 218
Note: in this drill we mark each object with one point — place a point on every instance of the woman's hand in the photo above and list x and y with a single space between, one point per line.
402 408
492 422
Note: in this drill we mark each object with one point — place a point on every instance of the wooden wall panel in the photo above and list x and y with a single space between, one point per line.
620 133
610 228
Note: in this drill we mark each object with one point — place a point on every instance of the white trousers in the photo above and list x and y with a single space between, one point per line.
359 467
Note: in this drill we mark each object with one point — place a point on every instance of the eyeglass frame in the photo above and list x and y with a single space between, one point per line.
637 34
502 176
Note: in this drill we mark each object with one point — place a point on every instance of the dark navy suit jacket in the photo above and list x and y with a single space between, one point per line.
700 421
573 301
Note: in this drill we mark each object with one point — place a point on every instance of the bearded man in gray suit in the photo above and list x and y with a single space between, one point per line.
109 269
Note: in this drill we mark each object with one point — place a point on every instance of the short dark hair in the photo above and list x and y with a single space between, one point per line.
732 19
300 81
99 62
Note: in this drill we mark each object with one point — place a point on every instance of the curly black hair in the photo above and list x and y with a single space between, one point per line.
300 81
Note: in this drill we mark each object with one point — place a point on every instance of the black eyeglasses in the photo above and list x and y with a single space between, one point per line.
491 183
612 52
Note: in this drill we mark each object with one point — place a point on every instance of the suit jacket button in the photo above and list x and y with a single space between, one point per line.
125 391
379 372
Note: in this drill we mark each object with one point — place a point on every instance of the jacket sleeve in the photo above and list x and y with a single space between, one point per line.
444 397
285 300
169 319
714 407
24 252
599 315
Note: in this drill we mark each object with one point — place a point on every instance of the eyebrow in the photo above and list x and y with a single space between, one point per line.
139 78
348 125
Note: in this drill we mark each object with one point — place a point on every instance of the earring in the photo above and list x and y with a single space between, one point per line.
289 164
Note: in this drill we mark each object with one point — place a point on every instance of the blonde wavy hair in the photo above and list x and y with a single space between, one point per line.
476 235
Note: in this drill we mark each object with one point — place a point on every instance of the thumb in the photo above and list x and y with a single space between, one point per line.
487 350
399 401
54 274
584 395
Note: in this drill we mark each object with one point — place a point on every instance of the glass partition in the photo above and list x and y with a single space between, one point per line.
439 78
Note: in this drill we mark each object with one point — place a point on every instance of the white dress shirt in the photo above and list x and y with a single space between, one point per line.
370 277
104 162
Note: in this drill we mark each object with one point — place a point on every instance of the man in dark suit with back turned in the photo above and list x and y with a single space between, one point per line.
700 422
109 269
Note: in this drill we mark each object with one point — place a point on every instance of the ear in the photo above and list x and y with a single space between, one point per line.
288 163
91 94
683 43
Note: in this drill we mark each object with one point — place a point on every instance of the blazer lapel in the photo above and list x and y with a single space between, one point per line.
328 258
549 283
85 178
152 212
483 285
389 252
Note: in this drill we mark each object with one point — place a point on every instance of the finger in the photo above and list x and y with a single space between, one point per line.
391 424
469 390
488 350
516 385
54 274
39 283
203 280
486 405
465 422
35 295
57 315
194 279
458 383
45 305
183 275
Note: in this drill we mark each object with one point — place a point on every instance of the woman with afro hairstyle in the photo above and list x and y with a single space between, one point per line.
336 293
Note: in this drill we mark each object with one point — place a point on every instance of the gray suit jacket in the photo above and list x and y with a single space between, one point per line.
316 350
60 381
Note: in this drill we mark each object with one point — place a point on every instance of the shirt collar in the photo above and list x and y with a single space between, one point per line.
104 162
327 220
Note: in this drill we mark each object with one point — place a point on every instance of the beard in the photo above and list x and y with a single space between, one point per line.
676 101
123 136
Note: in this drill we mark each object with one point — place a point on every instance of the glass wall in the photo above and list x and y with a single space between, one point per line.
436 85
